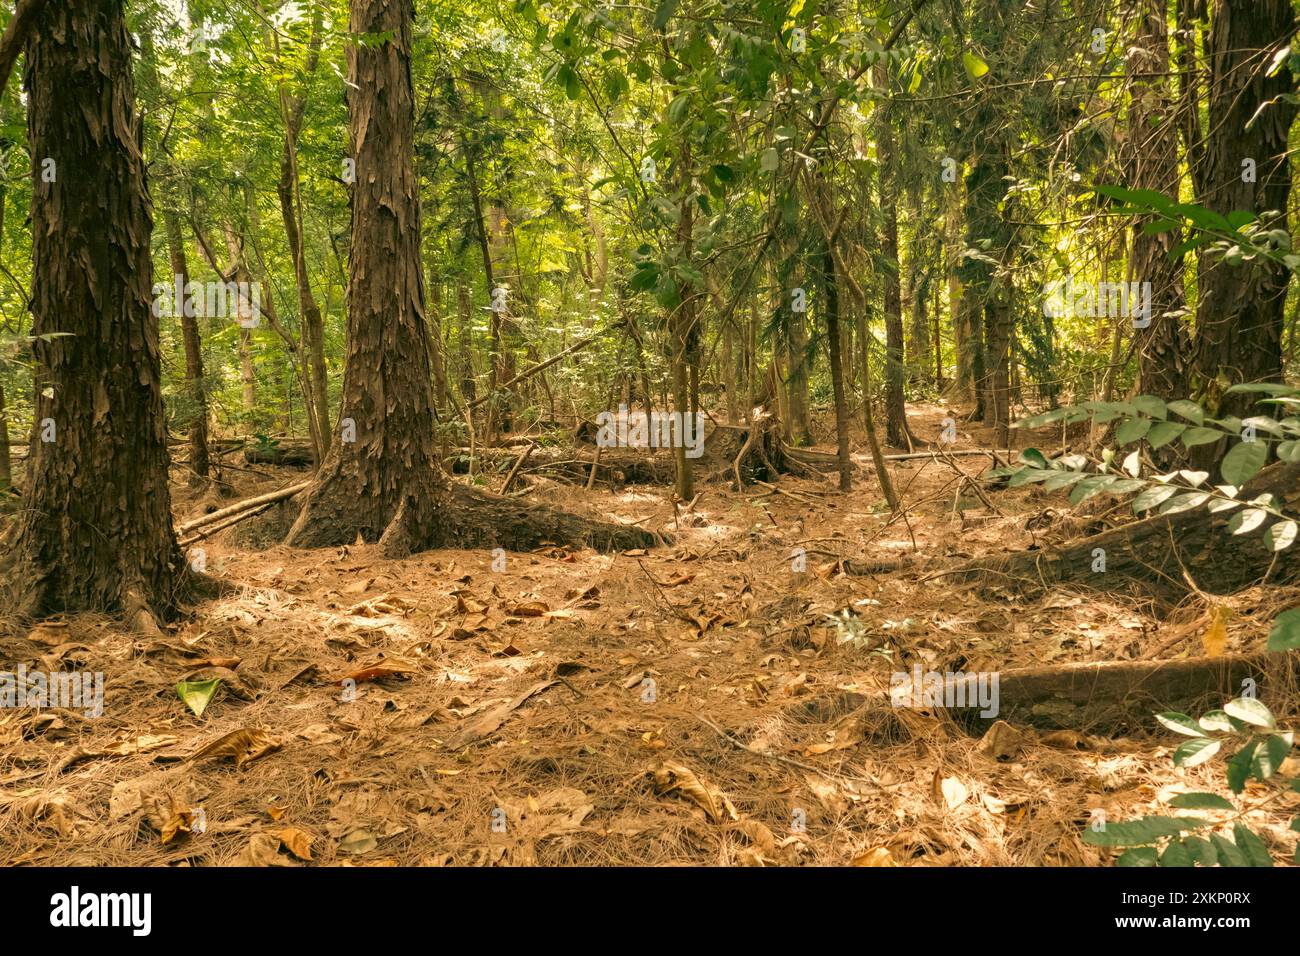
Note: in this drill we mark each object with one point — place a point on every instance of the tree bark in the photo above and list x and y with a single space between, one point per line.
381 479
1164 347
95 529
1240 308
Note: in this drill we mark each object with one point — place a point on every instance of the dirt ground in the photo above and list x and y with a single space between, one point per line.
691 705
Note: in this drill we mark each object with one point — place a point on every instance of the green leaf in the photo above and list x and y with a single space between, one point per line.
1151 406
1244 522
1239 764
1132 430
1270 756
1229 855
1281 536
1201 801
1180 723
1251 711
1034 457
1288 451
1191 753
1200 436
197 694
1285 635
1138 856
1216 721
1251 846
1188 410
1092 485
1202 851
1185 503
975 67
664 12
1140 832
1243 460
1162 433
1177 854
1152 497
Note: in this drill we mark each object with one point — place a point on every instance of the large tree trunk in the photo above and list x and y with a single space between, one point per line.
1240 308
95 529
1164 347
381 478
387 485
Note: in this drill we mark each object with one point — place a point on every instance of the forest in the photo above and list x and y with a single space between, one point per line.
768 433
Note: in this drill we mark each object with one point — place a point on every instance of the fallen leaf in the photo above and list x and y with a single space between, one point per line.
358 842
196 695
1216 636
670 777
876 856
242 746
298 842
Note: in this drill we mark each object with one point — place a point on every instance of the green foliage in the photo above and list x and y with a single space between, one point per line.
1245 723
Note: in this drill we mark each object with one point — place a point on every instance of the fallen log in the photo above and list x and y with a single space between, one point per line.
1112 697
295 454
241 506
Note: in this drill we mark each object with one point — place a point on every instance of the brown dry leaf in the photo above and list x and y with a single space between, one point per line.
469 607
950 791
828 794
180 820
298 842
1216 636
275 813
876 856
139 744
760 837
242 746
358 842
50 811
50 633
1065 740
228 662
1004 742
530 609
263 850
488 722
845 736
669 777
388 667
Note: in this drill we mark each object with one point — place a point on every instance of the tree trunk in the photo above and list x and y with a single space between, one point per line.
95 528
1240 308
1164 347
834 342
387 484
381 479
195 388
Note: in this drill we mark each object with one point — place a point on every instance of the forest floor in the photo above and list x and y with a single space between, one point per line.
693 704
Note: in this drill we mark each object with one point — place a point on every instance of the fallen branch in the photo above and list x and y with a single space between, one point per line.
241 506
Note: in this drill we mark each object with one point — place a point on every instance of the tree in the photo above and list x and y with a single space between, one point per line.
95 531
381 478
1246 167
